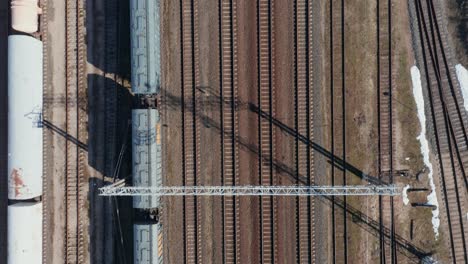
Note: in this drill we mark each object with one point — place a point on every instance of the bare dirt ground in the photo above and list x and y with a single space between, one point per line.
284 70
408 154
55 152
248 169
361 116
321 220
210 170
440 246
361 119
170 58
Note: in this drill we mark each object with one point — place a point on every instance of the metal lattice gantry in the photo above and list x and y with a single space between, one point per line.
357 190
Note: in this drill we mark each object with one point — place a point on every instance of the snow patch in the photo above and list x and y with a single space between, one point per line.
405 195
419 98
462 75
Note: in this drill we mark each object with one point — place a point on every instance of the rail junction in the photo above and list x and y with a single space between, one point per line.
229 117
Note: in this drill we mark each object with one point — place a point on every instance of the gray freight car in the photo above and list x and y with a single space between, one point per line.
146 149
147 243
145 46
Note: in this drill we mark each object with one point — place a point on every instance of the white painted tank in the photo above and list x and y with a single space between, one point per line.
25 15
24 117
25 233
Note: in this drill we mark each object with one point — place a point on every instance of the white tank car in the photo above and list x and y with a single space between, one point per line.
24 117
25 233
25 15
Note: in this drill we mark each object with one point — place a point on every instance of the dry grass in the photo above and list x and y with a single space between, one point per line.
361 127
407 145
361 115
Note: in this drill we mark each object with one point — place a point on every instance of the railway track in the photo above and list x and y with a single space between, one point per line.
332 129
452 97
343 133
385 128
449 126
111 70
45 141
111 64
303 125
310 134
82 129
190 128
75 87
338 126
266 133
230 128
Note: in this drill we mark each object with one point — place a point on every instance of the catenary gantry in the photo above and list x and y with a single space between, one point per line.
358 190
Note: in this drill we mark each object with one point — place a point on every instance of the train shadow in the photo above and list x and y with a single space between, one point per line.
370 225
412 252
111 226
213 101
110 230
109 153
108 36
64 134
332 159
109 114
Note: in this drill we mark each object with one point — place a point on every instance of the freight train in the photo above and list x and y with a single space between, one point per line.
24 149
25 93
146 129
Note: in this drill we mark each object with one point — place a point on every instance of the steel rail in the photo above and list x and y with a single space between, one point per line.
332 135
447 162
229 130
74 157
385 127
46 142
266 132
303 125
190 142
